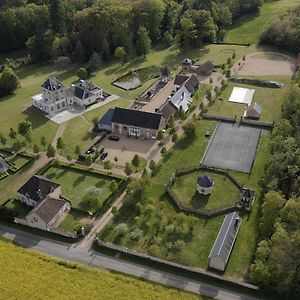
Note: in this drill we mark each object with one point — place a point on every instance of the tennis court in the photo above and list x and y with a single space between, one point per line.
232 147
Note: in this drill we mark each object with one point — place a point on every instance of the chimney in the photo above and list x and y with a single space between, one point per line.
39 192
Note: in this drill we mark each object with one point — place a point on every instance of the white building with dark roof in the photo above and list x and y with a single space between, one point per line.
221 250
204 185
56 98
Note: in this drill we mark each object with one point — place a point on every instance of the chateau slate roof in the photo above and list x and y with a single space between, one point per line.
52 84
168 110
38 187
136 118
107 117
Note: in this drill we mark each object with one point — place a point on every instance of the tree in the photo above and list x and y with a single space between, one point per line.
228 74
88 160
221 35
77 150
128 169
60 143
136 161
2 139
57 16
181 113
50 151
43 141
171 121
90 202
82 73
12 133
56 164
95 62
120 53
174 138
273 202
9 82
163 151
107 165
17 146
95 122
208 96
189 129
113 186
143 42
25 128
36 148
160 135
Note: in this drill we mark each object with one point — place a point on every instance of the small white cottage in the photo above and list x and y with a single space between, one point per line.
204 185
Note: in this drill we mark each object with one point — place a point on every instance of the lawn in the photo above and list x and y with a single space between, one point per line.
20 208
224 193
76 184
73 220
44 277
18 161
249 28
269 99
164 228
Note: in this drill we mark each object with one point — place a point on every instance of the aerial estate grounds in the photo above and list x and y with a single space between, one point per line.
224 193
151 224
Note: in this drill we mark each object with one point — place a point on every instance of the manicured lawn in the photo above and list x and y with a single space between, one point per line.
76 184
224 193
18 161
249 28
72 220
269 99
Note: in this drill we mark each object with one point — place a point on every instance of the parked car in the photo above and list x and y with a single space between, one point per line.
101 150
89 151
103 155
113 138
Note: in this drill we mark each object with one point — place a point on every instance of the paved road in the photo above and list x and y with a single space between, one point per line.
89 257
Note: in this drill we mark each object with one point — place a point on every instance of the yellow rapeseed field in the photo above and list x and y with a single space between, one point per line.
26 274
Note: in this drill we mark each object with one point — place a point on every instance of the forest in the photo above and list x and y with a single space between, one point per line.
85 29
277 261
284 33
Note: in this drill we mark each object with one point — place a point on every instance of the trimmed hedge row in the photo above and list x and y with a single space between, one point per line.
258 82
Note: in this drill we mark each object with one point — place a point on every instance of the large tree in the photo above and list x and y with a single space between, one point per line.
143 43
57 15
9 82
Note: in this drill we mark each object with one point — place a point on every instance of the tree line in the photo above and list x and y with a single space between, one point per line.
277 261
284 33
94 29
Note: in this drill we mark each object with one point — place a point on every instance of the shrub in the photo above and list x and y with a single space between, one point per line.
82 73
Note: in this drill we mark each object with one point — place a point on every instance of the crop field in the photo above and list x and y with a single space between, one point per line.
26 274
76 184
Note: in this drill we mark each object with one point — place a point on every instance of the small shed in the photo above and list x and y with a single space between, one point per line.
253 111
221 250
204 185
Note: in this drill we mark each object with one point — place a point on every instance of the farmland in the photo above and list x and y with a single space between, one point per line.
48 278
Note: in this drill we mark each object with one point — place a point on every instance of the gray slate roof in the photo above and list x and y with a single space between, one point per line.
168 110
226 237
180 79
136 118
38 187
107 117
208 66
205 181
52 84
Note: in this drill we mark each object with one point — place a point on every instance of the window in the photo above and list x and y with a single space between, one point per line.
134 131
63 104
58 106
52 108
35 219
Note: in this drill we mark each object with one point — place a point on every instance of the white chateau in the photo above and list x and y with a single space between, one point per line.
56 98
